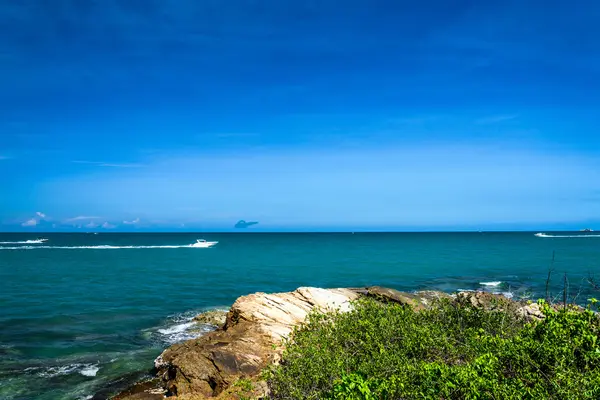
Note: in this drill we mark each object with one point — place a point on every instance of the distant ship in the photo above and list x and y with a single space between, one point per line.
587 230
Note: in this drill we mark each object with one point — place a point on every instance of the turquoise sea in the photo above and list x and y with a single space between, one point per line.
84 312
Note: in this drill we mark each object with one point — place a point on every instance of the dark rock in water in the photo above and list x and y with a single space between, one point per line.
124 383
147 390
216 318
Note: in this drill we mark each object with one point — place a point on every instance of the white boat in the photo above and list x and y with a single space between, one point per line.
37 241
203 243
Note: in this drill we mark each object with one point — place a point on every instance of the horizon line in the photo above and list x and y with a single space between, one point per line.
112 232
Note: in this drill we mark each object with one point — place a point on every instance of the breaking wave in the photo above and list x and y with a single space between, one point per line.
89 370
181 327
493 283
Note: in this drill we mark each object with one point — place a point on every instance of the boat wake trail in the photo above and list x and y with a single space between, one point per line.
37 241
543 235
100 247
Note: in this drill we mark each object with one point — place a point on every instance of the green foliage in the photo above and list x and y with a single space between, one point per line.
245 389
244 384
451 351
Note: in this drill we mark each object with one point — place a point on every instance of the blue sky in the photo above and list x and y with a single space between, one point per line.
169 115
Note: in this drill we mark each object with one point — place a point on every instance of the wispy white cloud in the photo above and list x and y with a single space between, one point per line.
496 119
36 219
134 222
107 225
30 222
109 164
92 225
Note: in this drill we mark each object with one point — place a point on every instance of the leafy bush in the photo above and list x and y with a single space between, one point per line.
451 351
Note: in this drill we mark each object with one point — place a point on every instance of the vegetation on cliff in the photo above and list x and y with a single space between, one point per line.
454 350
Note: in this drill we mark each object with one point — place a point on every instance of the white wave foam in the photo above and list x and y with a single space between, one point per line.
181 327
92 370
493 283
176 328
544 235
101 247
51 372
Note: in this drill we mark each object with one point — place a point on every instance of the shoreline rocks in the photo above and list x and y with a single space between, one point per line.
216 318
250 336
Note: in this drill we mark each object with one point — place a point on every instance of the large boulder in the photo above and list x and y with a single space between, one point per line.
249 341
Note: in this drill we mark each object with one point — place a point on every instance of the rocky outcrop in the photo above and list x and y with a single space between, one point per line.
251 334
249 341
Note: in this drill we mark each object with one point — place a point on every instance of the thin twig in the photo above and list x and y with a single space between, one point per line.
565 290
574 298
548 278
592 281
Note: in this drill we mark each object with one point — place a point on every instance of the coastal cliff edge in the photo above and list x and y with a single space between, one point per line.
251 335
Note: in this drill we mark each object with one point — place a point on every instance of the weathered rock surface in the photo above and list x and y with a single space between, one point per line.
248 342
417 300
531 312
487 301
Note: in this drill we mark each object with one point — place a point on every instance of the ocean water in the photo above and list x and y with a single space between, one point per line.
81 311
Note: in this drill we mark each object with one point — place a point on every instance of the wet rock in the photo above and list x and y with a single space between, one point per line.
216 318
149 389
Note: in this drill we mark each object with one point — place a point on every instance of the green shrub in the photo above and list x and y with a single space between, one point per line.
451 351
